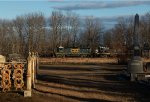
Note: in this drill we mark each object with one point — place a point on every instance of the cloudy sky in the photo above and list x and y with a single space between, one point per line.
9 9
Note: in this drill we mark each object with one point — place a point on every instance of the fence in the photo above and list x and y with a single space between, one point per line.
19 76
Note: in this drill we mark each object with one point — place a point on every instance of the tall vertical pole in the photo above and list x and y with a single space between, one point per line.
37 64
29 72
33 70
35 67
27 93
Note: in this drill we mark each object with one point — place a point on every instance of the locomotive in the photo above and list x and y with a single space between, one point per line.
81 52
73 52
102 51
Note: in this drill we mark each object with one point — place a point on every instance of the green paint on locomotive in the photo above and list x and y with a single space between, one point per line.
73 52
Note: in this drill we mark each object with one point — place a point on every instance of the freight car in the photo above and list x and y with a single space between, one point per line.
72 52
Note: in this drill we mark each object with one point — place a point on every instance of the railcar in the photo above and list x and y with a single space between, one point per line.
102 51
72 52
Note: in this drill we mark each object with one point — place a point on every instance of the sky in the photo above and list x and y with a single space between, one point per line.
104 9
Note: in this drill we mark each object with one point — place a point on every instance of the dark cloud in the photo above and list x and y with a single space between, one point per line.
100 5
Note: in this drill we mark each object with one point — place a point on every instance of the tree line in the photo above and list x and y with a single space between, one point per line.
35 33
120 37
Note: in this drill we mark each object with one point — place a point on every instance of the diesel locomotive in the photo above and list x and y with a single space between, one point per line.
73 52
81 52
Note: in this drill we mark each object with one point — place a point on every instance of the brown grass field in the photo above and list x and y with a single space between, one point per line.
82 83
91 83
78 60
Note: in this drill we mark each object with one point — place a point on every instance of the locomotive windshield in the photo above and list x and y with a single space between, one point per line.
60 49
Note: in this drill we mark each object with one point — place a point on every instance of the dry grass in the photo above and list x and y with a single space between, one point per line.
96 83
78 60
146 59
85 94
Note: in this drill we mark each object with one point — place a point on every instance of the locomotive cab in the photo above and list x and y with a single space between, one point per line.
60 49
60 52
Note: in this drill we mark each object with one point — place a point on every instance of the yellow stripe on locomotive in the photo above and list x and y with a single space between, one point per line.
75 50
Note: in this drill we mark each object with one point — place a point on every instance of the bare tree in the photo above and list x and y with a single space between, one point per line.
18 25
92 33
29 33
74 24
123 34
129 32
8 38
56 24
67 36
145 28
35 32
107 39
70 29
